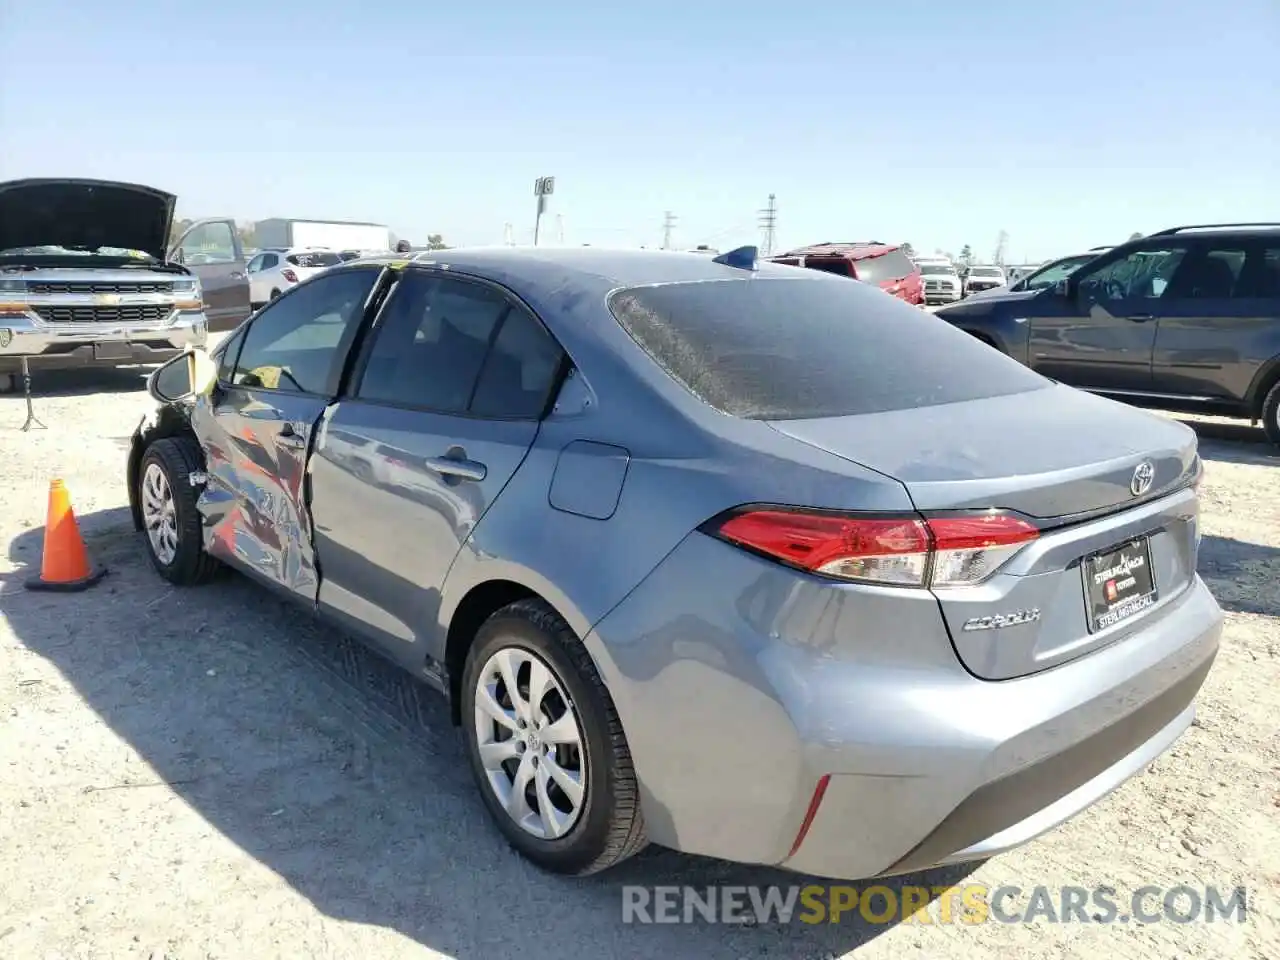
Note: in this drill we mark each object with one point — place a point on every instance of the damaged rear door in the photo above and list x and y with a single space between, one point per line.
274 383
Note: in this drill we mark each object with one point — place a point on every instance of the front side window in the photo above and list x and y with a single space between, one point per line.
209 243
227 358
1053 274
1142 274
295 344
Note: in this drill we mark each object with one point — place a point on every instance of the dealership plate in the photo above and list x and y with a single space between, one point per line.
1119 583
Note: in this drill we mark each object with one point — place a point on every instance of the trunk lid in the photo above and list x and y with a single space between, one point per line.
1052 453
1071 462
85 214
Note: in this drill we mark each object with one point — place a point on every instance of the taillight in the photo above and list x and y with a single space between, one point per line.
896 551
967 550
289 275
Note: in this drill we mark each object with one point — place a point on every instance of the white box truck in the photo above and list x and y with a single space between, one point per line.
331 234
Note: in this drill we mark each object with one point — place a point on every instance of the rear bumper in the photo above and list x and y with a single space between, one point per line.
739 692
74 344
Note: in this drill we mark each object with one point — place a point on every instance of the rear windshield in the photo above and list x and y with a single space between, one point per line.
986 272
945 268
322 259
778 349
890 266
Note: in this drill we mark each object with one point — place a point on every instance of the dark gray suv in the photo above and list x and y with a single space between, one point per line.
1187 319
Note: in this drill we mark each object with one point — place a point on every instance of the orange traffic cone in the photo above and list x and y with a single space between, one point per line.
65 565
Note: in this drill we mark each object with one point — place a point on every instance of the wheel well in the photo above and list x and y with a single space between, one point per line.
482 602
1268 380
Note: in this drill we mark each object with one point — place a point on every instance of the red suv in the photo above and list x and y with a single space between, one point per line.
883 264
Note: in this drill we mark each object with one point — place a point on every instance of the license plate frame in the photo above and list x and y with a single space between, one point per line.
1116 588
113 350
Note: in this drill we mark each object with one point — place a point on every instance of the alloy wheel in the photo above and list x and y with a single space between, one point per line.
159 513
530 742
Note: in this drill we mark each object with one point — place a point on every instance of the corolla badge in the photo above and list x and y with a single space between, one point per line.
1144 474
999 621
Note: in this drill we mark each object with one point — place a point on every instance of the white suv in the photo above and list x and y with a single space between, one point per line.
272 272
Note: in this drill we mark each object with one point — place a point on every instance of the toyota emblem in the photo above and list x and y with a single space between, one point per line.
1143 476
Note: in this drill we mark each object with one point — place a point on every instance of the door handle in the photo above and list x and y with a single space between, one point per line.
457 467
292 435
236 276
1142 318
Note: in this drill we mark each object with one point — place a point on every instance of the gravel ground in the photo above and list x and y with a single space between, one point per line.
209 774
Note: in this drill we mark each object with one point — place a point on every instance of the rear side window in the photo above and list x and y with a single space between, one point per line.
890 266
519 371
792 349
431 343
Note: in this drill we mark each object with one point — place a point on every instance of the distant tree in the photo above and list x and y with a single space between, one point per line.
966 254
177 230
436 242
1135 236
909 250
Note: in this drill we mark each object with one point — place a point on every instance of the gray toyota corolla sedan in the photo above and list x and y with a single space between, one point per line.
742 559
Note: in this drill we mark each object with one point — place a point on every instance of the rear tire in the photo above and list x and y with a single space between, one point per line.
606 825
1271 414
168 502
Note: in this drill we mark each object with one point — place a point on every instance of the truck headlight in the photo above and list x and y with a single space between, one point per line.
188 293
13 285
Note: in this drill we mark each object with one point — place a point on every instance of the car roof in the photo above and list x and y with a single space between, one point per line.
547 269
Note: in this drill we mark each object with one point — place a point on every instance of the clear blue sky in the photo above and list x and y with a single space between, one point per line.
1066 124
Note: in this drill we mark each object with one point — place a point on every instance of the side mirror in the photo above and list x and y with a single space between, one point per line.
1062 289
192 374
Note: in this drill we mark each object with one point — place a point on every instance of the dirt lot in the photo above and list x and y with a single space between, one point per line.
208 774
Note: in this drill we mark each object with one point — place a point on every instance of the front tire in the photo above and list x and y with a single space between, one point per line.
171 522
546 746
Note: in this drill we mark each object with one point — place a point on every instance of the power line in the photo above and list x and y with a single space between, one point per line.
769 223
668 223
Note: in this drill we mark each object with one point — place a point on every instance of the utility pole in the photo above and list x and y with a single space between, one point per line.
508 239
560 228
1002 248
668 222
769 223
543 187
